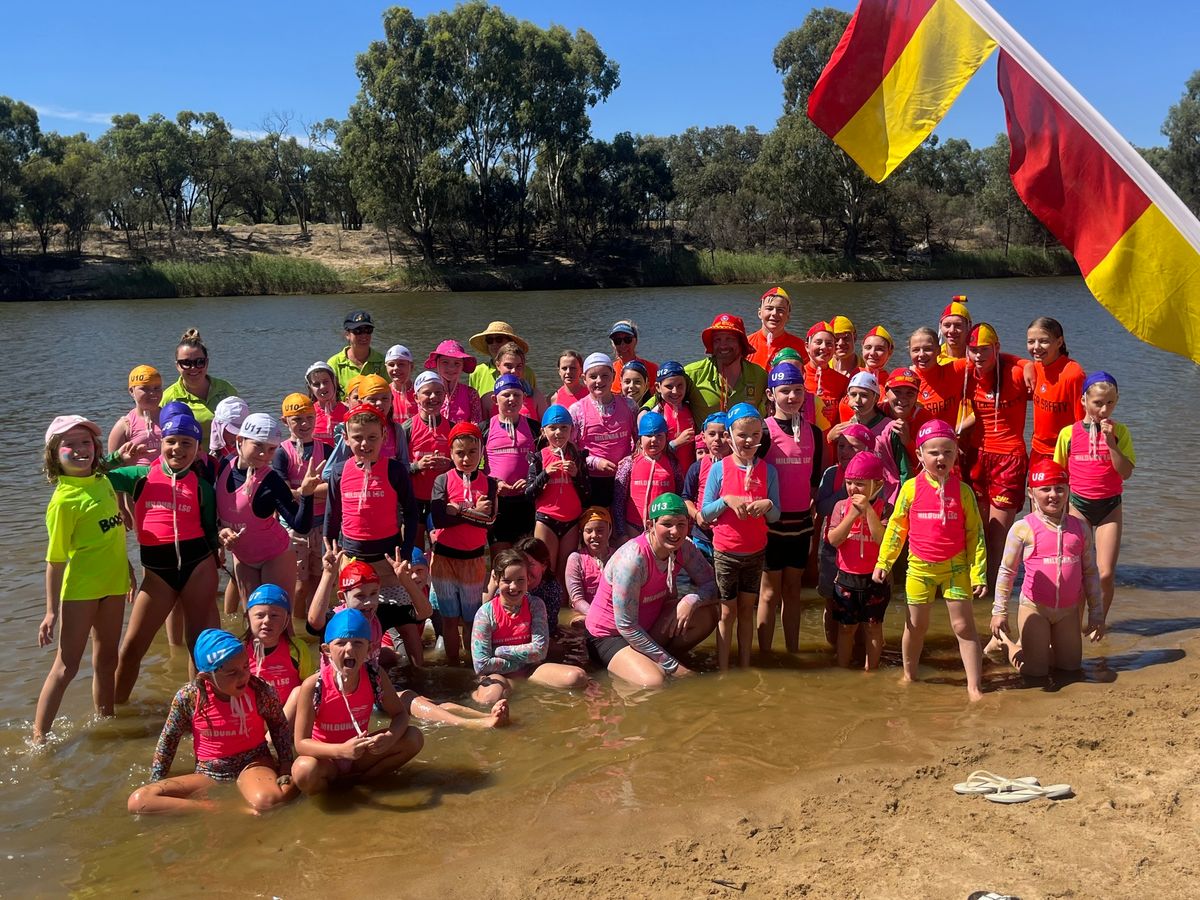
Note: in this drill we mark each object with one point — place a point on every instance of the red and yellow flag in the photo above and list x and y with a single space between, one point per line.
1135 260
896 71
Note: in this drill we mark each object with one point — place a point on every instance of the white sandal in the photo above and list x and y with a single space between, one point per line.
984 782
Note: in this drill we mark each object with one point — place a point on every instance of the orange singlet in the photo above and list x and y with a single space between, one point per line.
1056 392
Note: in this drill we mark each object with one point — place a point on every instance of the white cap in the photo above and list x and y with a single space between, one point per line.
262 428
318 366
398 351
63 424
425 378
596 360
866 381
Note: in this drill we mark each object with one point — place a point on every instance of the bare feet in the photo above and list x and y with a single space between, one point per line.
994 649
974 695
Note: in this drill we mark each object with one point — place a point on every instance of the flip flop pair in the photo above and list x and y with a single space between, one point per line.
999 789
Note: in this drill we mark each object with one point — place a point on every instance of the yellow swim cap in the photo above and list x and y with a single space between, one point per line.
298 405
776 292
841 325
144 376
353 385
983 335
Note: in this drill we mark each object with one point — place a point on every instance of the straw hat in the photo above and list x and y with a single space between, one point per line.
479 341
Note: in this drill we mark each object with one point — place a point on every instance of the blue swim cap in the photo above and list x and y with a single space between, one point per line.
213 647
636 365
182 426
651 423
785 373
557 414
270 594
418 557
348 624
669 369
1100 377
717 417
173 409
742 411
508 381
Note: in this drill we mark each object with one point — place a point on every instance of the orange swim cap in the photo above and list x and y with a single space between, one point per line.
297 405
144 376
370 385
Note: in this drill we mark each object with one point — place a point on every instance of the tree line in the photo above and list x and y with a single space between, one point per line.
470 137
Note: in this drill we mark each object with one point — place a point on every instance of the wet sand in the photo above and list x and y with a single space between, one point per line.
1128 749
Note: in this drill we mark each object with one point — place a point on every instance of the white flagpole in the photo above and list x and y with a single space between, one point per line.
1085 114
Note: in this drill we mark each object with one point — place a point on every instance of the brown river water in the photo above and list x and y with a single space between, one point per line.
568 760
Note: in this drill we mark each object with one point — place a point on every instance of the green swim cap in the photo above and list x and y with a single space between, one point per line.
666 505
787 354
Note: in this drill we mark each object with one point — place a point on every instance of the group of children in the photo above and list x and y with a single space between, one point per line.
519 501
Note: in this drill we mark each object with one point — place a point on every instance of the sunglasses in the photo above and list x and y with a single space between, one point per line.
622 338
496 338
192 363
365 329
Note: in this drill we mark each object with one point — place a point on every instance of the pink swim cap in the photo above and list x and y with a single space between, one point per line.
860 433
865 466
935 428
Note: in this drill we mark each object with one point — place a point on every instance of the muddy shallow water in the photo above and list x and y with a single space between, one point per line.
569 760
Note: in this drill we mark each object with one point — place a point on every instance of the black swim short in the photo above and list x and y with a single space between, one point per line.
859 598
162 561
1096 511
737 574
396 615
514 520
601 650
370 550
602 490
560 529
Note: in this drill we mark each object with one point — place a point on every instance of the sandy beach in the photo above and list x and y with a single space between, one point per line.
1128 749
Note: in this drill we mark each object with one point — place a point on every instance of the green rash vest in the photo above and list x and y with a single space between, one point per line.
344 368
87 533
704 393
202 410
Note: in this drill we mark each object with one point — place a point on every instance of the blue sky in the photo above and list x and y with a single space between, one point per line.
682 64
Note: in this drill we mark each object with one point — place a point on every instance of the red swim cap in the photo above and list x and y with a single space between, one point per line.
355 573
465 429
1046 472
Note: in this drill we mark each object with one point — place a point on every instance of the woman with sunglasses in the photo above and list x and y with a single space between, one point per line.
195 387
357 357
624 337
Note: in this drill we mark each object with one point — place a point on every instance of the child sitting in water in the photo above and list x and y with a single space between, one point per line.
1098 456
855 529
586 565
358 588
510 637
1060 571
937 515
276 655
229 713
333 714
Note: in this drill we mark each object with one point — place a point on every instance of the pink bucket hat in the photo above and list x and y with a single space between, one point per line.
455 350
63 424
935 428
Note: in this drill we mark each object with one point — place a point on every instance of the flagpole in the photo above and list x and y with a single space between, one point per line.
1096 125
